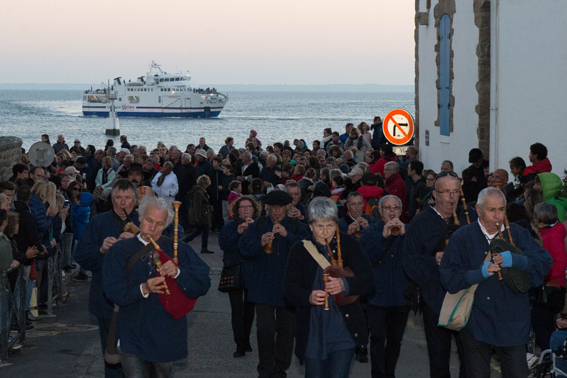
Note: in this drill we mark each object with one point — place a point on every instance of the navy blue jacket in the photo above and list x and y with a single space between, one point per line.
228 242
264 273
389 277
347 220
87 255
423 235
499 316
38 209
144 328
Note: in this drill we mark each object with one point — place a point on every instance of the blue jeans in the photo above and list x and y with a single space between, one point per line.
337 365
557 340
66 249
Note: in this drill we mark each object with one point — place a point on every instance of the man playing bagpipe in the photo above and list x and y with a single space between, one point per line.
500 315
153 292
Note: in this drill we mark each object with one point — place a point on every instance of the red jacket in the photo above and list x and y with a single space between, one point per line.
539 167
396 186
370 192
379 166
554 242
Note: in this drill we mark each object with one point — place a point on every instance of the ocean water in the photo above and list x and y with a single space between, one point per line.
276 116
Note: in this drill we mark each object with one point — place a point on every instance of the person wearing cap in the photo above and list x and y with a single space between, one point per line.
72 171
355 218
136 174
386 155
424 245
77 144
476 158
252 139
203 166
264 276
355 175
396 185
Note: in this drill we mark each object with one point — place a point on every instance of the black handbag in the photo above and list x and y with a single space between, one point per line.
231 279
550 297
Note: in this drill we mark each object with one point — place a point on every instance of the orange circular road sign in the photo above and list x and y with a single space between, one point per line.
398 127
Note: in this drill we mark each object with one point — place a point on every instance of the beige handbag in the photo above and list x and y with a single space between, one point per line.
456 308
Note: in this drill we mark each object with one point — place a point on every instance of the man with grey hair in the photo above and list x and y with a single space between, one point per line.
500 315
447 166
149 345
269 174
424 246
387 310
246 171
101 233
396 185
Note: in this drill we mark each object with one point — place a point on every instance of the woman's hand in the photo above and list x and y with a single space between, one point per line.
335 286
317 297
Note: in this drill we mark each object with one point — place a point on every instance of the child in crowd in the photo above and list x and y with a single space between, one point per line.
235 188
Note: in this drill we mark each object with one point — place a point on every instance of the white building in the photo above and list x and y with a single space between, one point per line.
492 75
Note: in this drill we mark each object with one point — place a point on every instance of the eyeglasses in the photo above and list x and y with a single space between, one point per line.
77 189
443 174
449 192
355 204
388 208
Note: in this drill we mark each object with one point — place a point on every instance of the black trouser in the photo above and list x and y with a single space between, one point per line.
242 318
135 367
478 355
184 213
218 221
200 229
110 371
275 351
439 346
543 324
386 326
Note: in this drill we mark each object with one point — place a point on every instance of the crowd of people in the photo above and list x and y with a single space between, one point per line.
335 244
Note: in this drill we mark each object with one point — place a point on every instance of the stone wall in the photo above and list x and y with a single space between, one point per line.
10 154
482 21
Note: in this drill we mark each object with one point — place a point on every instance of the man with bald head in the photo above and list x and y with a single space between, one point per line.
500 315
423 252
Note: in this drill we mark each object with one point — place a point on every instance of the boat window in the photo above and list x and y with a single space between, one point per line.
161 80
166 80
134 99
159 99
177 79
97 99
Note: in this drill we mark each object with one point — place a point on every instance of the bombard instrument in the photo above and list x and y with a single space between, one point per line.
336 270
174 301
494 254
357 233
456 219
464 201
268 248
157 261
507 225
325 280
176 205
130 226
395 230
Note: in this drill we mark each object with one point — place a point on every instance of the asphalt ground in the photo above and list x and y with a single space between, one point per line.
68 345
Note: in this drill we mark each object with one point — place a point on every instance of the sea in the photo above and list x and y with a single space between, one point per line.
276 116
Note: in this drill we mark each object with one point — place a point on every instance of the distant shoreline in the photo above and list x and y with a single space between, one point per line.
372 88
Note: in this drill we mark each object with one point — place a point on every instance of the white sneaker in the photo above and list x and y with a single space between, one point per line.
532 360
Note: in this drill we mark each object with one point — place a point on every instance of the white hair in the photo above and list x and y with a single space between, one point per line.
489 192
393 166
388 197
272 157
322 209
158 203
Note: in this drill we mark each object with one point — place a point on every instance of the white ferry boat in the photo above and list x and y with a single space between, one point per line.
158 94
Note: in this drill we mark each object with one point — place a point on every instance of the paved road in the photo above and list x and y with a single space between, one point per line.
68 345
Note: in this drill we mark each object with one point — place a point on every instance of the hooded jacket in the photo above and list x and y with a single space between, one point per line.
370 192
379 166
543 166
551 186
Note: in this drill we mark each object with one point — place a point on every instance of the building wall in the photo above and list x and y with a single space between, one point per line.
529 80
10 154
464 94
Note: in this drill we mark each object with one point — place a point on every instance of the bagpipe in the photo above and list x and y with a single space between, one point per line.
173 300
337 270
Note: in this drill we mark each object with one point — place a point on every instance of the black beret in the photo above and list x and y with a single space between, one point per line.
369 179
277 198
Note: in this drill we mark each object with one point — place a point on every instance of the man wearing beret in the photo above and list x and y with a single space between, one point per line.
264 276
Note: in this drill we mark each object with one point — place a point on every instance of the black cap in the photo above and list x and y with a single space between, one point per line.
475 155
277 198
135 167
369 179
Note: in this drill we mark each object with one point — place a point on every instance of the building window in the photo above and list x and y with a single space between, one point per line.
445 74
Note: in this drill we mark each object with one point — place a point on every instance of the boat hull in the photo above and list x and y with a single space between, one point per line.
214 112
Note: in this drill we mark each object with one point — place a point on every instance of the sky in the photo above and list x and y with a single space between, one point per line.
218 41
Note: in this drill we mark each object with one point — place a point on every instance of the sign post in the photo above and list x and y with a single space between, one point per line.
398 127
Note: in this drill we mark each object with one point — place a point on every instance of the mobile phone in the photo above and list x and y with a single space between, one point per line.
66 204
84 176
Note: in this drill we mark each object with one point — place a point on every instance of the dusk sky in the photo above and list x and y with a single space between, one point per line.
221 41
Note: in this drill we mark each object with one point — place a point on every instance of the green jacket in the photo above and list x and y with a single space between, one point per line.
6 257
551 186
